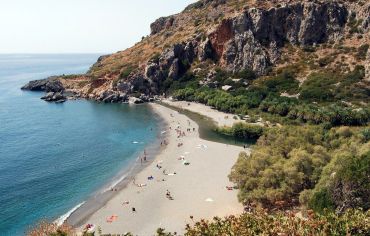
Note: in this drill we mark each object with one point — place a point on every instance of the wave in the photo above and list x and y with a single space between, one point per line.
116 181
113 184
64 217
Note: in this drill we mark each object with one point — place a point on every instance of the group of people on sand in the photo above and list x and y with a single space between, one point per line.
169 196
180 133
164 143
138 185
143 159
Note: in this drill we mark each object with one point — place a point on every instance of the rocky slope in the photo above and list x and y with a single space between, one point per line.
234 35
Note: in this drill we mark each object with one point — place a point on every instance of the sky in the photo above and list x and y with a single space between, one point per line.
78 26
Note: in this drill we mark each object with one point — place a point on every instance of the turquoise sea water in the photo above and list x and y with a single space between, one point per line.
54 156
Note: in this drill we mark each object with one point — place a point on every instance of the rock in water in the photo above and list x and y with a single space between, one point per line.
134 100
56 97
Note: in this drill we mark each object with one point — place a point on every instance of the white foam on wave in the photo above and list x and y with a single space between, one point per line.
64 217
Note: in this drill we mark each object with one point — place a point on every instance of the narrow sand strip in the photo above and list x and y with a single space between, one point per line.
197 189
221 118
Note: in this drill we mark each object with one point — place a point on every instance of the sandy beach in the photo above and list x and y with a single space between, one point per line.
220 118
194 173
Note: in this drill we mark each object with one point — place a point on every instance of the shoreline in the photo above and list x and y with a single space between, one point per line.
82 211
219 118
221 202
207 124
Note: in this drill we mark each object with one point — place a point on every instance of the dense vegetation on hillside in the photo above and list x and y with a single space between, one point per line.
320 99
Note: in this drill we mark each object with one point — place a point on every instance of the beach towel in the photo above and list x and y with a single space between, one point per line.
112 218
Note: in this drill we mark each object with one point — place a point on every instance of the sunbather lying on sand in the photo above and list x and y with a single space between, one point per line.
138 185
112 218
164 172
168 195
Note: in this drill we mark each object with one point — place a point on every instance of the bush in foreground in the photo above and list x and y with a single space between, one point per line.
352 222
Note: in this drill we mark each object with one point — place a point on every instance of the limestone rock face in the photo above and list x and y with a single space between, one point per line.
205 50
252 39
244 51
134 100
51 84
172 63
134 82
221 36
160 24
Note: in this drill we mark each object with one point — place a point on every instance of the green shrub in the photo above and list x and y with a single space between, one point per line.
126 72
362 51
246 74
298 162
308 48
318 87
325 61
283 82
366 134
242 131
283 163
352 222
345 184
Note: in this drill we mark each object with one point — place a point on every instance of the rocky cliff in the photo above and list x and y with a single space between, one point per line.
234 35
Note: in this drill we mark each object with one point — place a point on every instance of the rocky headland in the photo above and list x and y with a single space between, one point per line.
230 35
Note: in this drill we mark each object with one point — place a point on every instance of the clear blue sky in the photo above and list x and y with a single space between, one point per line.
78 26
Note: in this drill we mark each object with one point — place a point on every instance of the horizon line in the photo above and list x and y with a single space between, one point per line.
54 53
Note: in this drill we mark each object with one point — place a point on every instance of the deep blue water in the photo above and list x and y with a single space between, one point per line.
54 156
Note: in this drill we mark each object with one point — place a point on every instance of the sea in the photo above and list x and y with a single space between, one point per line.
54 157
